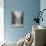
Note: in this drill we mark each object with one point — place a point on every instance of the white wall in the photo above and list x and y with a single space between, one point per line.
1 20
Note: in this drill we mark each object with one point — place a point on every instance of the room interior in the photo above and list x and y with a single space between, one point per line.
19 36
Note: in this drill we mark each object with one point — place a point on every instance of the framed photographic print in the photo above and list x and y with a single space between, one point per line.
17 18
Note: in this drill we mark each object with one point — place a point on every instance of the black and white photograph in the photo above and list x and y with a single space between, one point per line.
17 18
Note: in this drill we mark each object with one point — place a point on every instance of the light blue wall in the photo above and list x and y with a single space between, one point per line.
29 7
43 6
